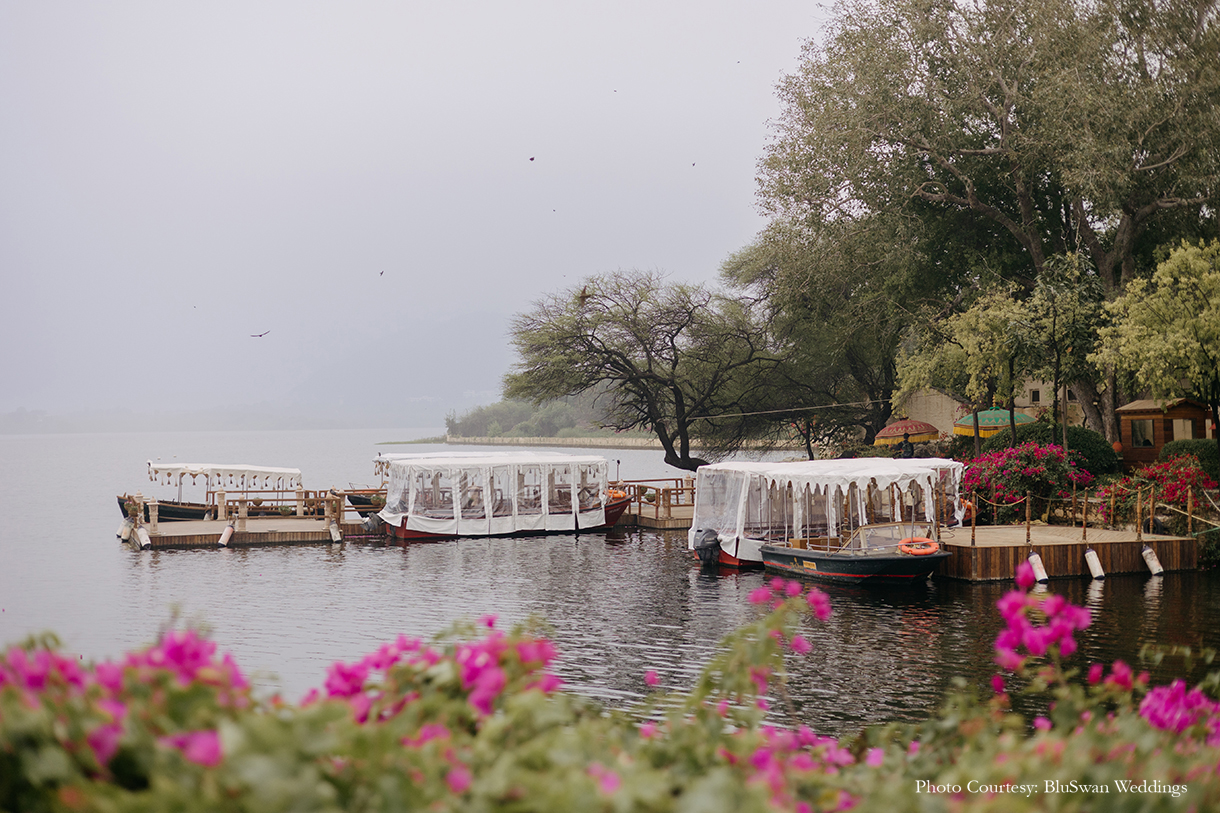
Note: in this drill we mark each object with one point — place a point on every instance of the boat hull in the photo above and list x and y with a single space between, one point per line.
170 511
614 510
899 568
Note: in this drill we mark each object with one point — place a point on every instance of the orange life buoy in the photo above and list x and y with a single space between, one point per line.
918 546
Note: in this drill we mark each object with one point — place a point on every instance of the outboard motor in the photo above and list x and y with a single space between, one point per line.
707 545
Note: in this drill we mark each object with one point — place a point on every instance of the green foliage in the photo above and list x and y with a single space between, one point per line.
666 358
1169 482
1200 449
1166 330
472 723
1096 455
1006 477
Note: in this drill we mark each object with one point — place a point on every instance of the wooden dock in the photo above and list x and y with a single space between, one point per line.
999 549
258 531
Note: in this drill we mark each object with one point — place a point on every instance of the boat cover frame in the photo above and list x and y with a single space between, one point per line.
239 477
414 480
722 489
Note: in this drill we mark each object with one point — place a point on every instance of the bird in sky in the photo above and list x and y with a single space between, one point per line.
259 335
382 274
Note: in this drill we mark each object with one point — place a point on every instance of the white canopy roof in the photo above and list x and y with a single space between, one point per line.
236 475
383 462
481 493
728 496
821 475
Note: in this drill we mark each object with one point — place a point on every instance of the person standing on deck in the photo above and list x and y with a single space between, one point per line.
906 449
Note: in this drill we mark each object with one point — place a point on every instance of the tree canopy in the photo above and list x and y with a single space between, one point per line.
1166 330
665 357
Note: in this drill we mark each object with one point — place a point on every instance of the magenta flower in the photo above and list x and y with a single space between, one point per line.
875 757
1042 723
1095 672
489 620
458 779
1172 708
800 645
760 595
650 677
200 747
104 740
819 602
997 683
607 780
1025 576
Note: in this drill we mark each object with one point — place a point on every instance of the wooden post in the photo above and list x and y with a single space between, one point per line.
936 499
153 506
1028 543
222 510
974 518
1139 515
300 502
1190 511
1084 524
243 511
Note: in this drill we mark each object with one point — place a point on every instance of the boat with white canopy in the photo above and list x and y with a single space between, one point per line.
252 482
843 520
447 494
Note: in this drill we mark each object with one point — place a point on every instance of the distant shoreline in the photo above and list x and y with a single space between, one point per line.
586 443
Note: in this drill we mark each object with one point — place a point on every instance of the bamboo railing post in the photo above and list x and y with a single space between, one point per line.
1028 543
974 516
936 499
1139 515
1190 511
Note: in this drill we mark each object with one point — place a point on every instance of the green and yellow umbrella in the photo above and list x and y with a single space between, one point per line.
919 431
990 421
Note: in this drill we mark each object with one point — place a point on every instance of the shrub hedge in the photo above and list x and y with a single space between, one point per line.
1098 456
1202 449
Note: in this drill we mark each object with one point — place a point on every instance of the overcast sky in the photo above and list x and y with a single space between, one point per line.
377 186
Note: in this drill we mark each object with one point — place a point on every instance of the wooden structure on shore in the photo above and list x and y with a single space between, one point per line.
998 549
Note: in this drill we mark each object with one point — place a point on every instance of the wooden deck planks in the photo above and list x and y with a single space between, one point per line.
1000 549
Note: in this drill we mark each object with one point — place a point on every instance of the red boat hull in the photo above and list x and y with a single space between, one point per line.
614 510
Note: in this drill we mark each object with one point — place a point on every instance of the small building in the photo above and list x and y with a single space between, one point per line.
1146 426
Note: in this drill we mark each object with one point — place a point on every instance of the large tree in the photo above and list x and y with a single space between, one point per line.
1166 330
1063 123
664 357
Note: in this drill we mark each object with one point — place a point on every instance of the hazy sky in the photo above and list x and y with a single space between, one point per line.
355 178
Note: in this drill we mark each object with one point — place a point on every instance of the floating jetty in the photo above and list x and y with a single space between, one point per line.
1063 549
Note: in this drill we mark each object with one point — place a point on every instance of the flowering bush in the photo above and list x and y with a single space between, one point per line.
1004 477
1173 481
480 723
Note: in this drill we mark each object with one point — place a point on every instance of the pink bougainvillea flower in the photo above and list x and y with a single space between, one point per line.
997 684
458 779
793 588
200 747
875 757
1025 576
488 620
799 644
648 730
650 677
760 595
607 780
1042 723
427 733
819 602
104 740
1095 672
1120 676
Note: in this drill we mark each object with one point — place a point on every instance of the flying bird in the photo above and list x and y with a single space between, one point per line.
531 158
382 274
259 335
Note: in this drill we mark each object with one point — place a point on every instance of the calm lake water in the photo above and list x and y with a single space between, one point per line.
620 603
